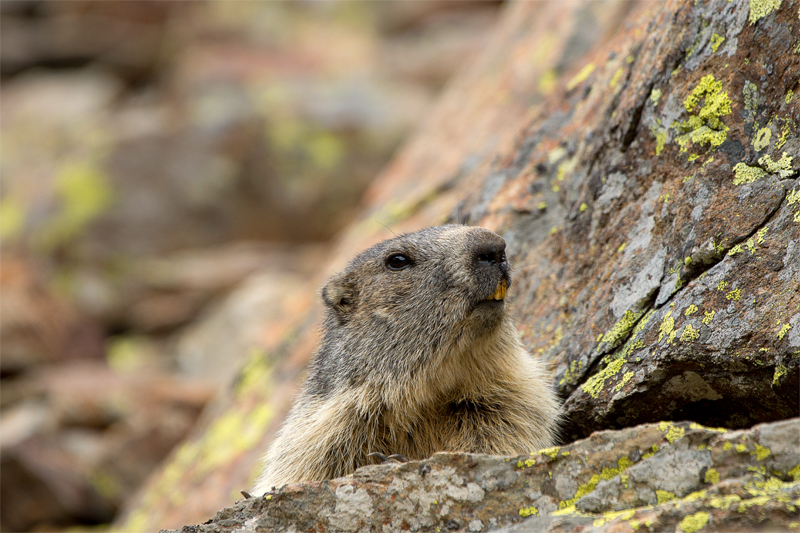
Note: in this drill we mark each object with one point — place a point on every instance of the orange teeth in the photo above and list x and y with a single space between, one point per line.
500 292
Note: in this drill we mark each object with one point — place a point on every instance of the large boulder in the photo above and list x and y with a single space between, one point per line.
658 477
650 201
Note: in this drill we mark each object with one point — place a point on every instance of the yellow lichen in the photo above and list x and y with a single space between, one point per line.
594 385
581 76
608 473
747 174
583 207
708 316
551 452
721 285
716 41
724 502
705 127
761 452
712 476
782 166
694 522
528 511
667 326
663 496
762 138
741 448
626 514
622 328
673 432
623 381
727 446
661 137
780 371
734 295
548 81
783 331
622 246
527 462
761 8
690 310
690 334
615 79
655 96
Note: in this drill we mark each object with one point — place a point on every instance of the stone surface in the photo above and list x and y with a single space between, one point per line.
641 161
655 477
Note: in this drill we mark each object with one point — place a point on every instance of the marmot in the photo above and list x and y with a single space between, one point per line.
417 355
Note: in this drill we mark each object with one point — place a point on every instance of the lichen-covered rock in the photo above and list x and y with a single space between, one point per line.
655 477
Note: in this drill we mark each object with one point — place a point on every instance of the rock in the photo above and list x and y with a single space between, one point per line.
657 477
83 438
37 325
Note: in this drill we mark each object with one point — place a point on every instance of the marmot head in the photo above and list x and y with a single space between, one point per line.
406 299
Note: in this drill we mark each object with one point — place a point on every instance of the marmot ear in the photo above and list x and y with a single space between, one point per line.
340 295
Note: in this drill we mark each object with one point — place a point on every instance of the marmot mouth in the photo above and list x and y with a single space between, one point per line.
500 292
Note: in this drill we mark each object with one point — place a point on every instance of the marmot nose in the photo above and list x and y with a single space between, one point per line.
492 255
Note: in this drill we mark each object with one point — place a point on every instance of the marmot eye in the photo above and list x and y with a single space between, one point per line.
398 262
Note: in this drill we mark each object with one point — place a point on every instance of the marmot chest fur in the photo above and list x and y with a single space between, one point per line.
418 355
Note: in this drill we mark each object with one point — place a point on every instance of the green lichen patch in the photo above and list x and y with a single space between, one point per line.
780 371
663 496
655 96
667 328
750 92
595 385
694 522
661 137
621 330
762 138
690 334
747 174
704 125
716 42
625 378
573 371
673 432
607 473
782 166
761 452
626 514
526 462
84 191
792 198
581 76
761 8
712 476
616 77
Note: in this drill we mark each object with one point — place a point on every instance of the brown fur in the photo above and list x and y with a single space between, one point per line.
415 361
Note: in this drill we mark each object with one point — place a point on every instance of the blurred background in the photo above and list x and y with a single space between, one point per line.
170 171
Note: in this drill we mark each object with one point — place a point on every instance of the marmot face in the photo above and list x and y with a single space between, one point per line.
410 298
